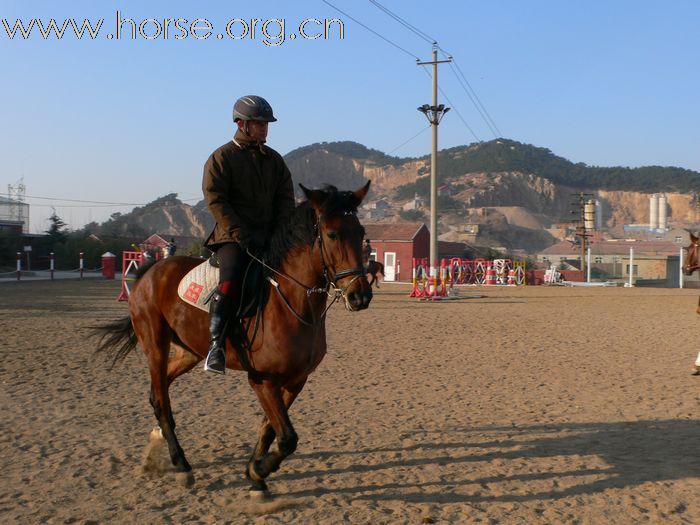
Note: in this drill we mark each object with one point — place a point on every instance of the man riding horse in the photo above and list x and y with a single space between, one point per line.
248 189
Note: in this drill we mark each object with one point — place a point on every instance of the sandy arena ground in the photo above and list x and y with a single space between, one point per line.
529 405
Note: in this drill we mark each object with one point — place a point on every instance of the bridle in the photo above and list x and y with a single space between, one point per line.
332 282
692 250
330 287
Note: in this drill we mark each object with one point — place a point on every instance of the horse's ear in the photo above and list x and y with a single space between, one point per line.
315 197
694 238
361 193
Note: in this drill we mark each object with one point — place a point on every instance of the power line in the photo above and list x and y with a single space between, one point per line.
442 92
59 199
79 205
466 86
87 201
463 81
407 141
370 30
404 23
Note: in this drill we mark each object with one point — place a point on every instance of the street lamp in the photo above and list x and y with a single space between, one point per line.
434 115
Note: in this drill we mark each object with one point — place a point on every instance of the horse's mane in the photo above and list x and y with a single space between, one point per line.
299 229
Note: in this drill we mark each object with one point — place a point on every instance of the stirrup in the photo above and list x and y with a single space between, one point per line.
216 361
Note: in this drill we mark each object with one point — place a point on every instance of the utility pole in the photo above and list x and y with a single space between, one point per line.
582 230
434 113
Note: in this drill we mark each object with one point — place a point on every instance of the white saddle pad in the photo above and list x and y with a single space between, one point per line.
196 286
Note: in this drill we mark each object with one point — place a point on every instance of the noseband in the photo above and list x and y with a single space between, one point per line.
332 281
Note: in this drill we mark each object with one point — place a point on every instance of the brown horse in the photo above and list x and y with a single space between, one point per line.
375 268
692 263
313 256
692 259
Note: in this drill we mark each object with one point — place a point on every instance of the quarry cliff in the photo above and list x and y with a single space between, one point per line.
516 189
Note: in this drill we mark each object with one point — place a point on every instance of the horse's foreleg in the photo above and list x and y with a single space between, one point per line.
276 423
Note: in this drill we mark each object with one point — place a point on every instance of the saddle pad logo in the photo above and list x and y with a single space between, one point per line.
193 292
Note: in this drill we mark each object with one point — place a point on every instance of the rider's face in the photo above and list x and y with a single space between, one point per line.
257 130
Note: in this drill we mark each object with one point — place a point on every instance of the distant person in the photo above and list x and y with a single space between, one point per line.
248 189
366 253
172 247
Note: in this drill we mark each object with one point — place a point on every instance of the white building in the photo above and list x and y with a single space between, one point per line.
14 214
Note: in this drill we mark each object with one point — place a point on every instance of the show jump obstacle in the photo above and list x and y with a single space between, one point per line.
131 261
456 271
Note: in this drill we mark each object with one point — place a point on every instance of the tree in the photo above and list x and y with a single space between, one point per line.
412 215
57 230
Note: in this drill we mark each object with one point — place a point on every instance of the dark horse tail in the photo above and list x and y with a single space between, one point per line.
118 337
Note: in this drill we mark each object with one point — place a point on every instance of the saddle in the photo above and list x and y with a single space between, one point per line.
199 284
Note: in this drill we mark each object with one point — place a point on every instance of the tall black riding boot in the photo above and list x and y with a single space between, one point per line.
218 316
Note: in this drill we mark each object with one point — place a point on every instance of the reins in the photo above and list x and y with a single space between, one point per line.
330 288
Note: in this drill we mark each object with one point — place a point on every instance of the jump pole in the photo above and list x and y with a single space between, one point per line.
82 264
680 274
52 264
629 283
130 261
19 265
588 264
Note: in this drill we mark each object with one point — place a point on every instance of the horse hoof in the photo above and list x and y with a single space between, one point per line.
696 372
185 479
259 495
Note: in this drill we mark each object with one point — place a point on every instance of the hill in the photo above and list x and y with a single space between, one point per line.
494 156
525 189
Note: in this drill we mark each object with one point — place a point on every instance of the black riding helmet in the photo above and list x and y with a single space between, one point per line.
253 107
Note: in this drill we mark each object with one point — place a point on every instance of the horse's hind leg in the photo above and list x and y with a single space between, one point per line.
262 463
154 336
181 362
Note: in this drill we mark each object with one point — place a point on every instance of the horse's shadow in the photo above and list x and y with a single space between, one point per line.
633 453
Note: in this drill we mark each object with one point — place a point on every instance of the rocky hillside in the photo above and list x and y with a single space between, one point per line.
515 191
165 215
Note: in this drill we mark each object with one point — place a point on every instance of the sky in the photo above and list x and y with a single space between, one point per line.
118 122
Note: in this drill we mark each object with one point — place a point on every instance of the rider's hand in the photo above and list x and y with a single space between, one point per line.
255 239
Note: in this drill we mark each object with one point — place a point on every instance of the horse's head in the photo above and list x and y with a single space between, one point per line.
339 235
692 259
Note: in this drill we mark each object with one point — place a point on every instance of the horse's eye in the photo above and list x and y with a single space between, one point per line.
332 235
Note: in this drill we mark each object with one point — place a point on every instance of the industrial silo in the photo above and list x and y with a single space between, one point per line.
589 215
654 212
663 207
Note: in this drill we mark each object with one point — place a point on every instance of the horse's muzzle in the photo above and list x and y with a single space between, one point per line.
358 300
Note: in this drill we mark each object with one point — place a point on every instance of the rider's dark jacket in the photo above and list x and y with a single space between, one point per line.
246 187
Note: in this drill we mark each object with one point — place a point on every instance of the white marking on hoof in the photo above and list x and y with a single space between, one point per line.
259 494
156 433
